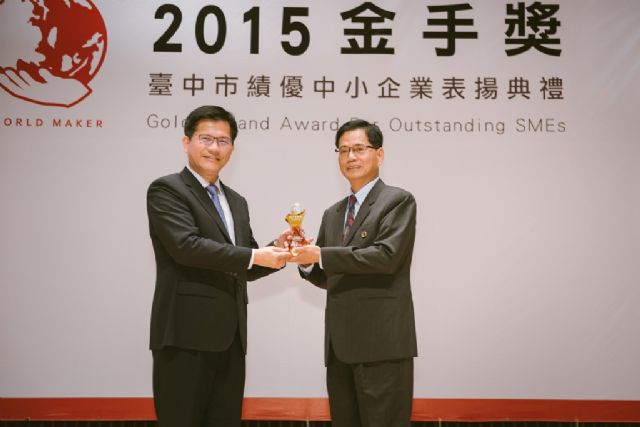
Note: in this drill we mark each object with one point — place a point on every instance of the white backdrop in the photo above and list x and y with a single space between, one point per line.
526 277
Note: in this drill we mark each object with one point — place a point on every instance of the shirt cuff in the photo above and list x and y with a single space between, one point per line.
253 254
306 269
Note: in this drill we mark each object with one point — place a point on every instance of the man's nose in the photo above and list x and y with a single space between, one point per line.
214 147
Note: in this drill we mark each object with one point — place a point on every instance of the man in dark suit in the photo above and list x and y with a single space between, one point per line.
205 254
363 260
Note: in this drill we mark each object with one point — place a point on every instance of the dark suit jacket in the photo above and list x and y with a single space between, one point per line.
369 313
201 277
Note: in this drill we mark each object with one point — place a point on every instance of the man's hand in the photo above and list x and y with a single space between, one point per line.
288 238
284 239
305 255
271 256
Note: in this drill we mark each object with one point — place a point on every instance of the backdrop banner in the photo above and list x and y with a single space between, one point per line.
514 124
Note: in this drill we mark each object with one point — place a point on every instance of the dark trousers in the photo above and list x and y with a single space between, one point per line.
376 394
199 388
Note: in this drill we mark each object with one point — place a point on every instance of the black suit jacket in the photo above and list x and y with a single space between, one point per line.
201 277
369 312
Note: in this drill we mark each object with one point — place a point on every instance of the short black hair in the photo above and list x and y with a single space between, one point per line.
209 112
374 134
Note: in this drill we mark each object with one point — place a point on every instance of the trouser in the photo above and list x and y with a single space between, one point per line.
199 388
378 394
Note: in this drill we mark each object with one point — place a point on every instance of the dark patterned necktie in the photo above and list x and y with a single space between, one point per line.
213 190
350 218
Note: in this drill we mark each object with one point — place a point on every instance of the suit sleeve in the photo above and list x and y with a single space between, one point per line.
172 221
394 240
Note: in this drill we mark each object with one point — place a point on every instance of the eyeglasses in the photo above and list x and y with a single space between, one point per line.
357 149
207 140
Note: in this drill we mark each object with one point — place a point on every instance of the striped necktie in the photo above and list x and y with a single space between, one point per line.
350 218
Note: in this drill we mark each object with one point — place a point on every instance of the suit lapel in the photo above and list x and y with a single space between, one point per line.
364 210
203 197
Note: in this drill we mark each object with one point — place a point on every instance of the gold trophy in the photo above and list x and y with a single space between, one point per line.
294 218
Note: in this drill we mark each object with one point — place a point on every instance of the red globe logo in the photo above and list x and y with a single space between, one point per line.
52 49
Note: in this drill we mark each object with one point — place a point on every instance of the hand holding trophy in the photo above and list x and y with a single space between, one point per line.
296 238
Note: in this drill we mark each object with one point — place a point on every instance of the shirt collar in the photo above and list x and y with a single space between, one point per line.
364 191
203 181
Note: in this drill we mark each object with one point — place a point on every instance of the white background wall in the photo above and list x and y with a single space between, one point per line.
526 277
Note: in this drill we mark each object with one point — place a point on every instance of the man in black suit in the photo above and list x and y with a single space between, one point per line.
363 260
205 254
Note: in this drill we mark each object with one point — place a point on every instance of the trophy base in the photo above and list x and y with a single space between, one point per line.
296 240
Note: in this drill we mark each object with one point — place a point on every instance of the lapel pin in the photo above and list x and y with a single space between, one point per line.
363 234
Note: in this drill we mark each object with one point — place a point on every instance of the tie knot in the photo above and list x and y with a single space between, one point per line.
352 200
213 189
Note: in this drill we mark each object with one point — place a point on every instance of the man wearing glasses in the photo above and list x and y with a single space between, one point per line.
363 260
205 254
